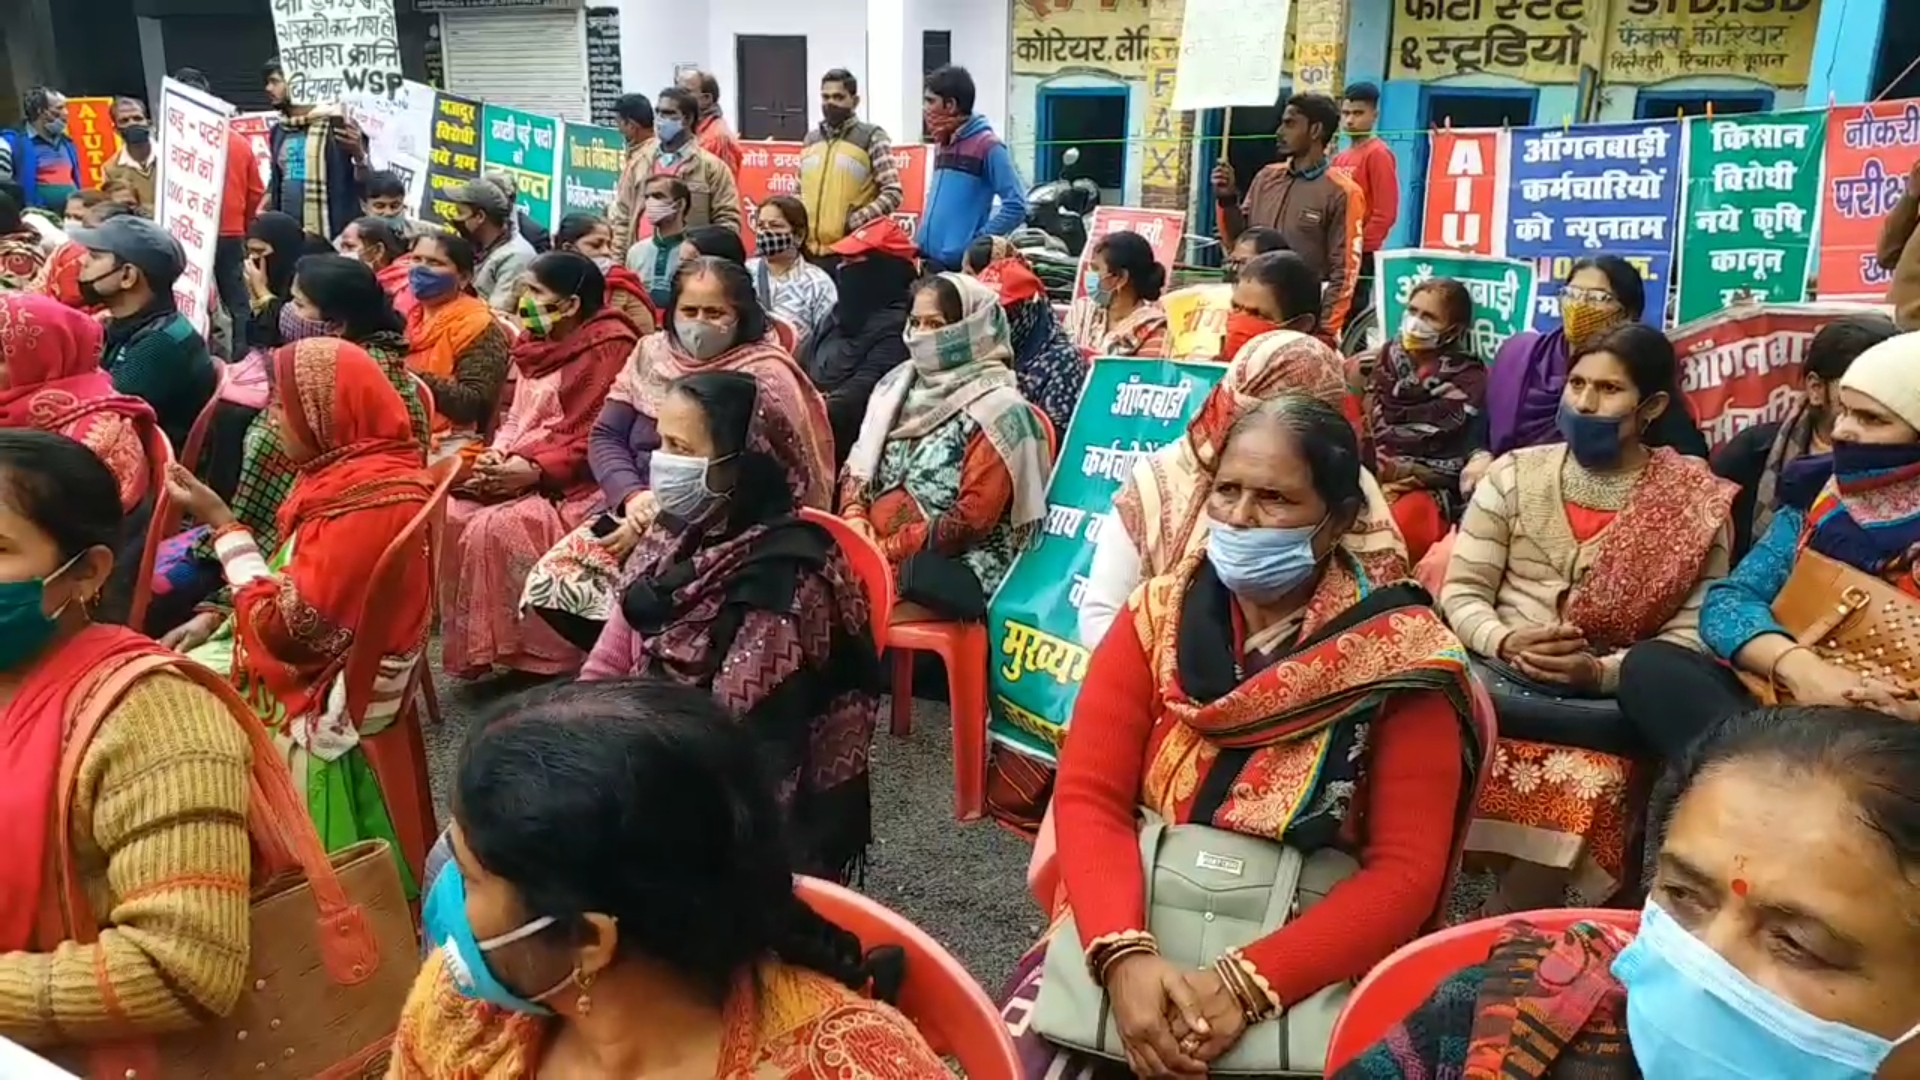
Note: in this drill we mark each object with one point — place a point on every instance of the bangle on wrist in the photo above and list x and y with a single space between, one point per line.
1773 669
1109 950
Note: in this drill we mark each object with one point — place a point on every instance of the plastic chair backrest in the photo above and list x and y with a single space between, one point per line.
163 523
363 656
1053 437
869 565
421 388
1401 982
203 423
945 1002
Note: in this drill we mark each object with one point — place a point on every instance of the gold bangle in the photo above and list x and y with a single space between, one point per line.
1773 669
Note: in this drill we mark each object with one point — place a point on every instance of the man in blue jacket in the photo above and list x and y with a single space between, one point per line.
971 169
40 157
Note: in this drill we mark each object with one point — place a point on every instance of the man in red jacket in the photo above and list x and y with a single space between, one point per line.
1369 162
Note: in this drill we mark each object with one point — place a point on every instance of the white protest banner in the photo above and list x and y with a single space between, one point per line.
1230 52
332 48
399 132
187 186
19 1063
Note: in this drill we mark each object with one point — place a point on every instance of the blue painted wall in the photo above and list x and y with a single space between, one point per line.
1845 49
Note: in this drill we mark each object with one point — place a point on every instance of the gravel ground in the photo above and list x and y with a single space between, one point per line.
964 884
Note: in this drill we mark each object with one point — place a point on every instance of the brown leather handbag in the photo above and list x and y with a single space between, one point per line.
1848 618
332 948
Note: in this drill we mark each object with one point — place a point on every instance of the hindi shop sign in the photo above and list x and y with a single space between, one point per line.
1535 41
1597 189
1035 659
1111 36
1465 192
1738 368
1502 291
1871 149
1161 229
590 169
525 146
1769 41
330 49
1748 216
187 186
1230 53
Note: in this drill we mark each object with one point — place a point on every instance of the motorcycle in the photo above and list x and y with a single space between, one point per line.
1061 207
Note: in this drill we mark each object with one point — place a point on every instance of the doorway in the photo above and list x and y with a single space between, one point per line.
1667 104
774 103
1093 120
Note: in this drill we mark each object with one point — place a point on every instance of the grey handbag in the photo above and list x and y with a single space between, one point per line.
1208 890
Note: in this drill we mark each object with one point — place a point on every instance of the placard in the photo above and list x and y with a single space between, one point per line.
773 168
332 48
590 168
453 154
604 83
1197 321
1871 149
90 126
525 146
1466 191
1746 225
1035 659
257 129
1741 367
399 133
188 182
1502 290
1230 53
1162 229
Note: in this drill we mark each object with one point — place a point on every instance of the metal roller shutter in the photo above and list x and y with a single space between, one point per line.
227 49
531 60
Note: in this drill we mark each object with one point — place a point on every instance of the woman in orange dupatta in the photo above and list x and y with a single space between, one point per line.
532 485
459 351
298 610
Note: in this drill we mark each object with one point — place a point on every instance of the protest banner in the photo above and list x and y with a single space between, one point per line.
1740 367
330 49
525 146
773 168
1747 215
1197 321
1230 54
1161 229
1596 189
90 126
1035 659
1466 191
399 133
187 184
453 153
257 129
590 168
1502 290
1871 151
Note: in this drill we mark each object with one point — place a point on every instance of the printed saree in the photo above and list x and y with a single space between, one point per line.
54 383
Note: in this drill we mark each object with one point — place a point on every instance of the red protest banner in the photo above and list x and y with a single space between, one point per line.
1741 367
1161 229
90 124
1871 149
1463 190
773 168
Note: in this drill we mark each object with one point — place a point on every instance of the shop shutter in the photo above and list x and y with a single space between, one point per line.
531 60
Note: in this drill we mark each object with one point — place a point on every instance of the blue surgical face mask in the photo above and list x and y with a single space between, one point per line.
429 284
1691 1014
1262 564
668 128
1594 440
679 484
1093 280
447 928
25 626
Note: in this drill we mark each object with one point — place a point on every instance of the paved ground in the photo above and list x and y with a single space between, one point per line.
965 885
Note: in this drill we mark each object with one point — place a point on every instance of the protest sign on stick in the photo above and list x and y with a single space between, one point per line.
90 125
330 49
1230 52
1466 191
590 169
187 186
453 154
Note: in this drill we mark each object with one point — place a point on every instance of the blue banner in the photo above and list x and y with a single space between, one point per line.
1595 189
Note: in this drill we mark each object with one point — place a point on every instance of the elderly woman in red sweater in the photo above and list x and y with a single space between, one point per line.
1265 687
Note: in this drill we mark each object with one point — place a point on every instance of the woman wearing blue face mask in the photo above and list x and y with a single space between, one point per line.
1568 555
730 591
1123 283
460 349
1266 693
622 895
1778 940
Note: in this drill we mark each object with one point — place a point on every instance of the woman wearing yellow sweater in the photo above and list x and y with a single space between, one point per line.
156 826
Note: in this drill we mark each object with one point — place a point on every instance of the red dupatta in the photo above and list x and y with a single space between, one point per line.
597 348
52 357
32 727
347 504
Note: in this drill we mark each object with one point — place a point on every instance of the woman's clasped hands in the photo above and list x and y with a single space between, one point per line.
1172 1022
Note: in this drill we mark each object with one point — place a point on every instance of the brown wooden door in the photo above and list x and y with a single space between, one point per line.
774 103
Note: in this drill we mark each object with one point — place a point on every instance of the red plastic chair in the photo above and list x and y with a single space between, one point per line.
421 388
164 522
1401 982
945 1002
869 565
398 754
203 424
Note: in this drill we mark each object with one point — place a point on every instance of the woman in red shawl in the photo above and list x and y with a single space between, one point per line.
532 485
589 234
298 610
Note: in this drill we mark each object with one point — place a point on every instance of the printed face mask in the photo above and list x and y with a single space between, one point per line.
769 244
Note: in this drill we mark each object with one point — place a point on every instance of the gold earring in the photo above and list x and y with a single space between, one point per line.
584 1003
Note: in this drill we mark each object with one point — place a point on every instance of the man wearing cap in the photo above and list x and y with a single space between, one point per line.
863 338
534 233
151 350
484 215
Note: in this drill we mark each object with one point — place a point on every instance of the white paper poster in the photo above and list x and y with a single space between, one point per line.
399 133
332 48
188 183
1230 53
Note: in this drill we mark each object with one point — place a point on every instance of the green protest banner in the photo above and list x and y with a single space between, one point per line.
590 168
1750 202
525 146
1503 292
1035 661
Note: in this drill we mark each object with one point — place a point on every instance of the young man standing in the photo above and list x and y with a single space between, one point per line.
710 126
1316 209
847 173
40 157
133 165
633 113
971 171
713 197
319 160
1368 161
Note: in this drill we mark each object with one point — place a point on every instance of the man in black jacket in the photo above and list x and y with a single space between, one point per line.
863 339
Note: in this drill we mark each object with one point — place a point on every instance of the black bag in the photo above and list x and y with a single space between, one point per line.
1556 715
941 583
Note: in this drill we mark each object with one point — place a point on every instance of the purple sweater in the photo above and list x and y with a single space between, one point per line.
619 448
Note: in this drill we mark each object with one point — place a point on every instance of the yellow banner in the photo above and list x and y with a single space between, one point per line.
1110 36
1536 41
1319 46
1656 40
1197 321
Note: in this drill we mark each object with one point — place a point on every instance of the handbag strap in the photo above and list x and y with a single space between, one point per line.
278 823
